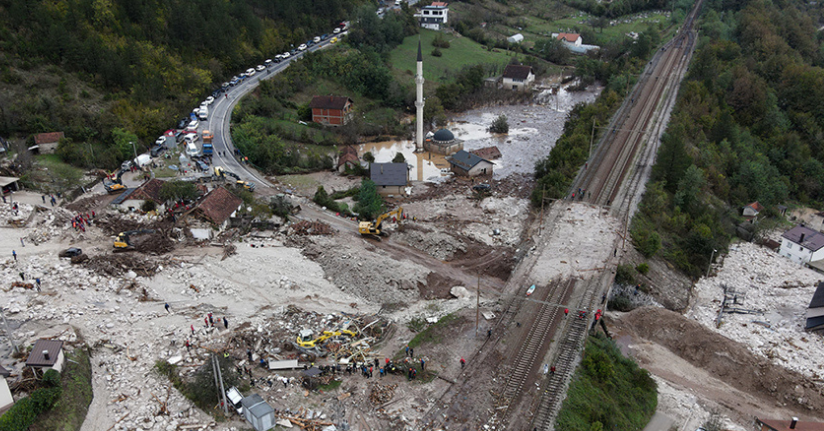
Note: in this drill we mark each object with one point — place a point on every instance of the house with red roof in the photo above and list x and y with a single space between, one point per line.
331 110
788 425
216 207
46 143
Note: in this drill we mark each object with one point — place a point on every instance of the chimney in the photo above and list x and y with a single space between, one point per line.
46 354
381 169
802 239
793 423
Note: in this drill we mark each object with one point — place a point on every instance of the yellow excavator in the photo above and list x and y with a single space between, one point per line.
115 185
374 228
221 173
122 242
306 338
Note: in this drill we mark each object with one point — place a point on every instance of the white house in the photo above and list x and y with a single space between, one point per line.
515 38
573 39
46 355
517 77
466 164
815 312
434 16
802 245
6 400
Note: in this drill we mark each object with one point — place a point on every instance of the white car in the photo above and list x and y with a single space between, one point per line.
286 55
302 47
268 62
250 72
210 100
161 140
260 68
192 125
336 30
316 39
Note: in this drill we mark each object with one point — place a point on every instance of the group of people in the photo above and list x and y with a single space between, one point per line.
80 221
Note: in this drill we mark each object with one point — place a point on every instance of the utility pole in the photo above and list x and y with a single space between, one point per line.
591 140
134 149
8 332
710 264
478 306
541 223
222 389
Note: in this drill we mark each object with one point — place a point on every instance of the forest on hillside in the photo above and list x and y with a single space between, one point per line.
748 126
141 63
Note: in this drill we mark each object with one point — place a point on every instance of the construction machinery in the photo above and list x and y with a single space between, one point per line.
374 228
221 173
122 242
115 185
306 338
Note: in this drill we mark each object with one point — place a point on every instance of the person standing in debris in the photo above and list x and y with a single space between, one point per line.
225 322
44 198
488 334
377 363
249 354
370 372
188 345
423 364
22 244
262 363
22 276
193 329
411 352
206 322
566 312
463 362
407 350
37 280
552 371
167 308
14 255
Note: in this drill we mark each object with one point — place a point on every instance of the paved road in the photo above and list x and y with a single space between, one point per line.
221 116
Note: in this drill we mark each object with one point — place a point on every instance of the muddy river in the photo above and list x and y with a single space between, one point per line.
533 130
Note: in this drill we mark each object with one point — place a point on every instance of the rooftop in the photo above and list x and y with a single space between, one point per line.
218 205
466 160
255 405
489 153
812 240
818 296
517 71
47 138
4 372
150 190
568 37
443 135
329 102
437 5
389 174
784 425
38 359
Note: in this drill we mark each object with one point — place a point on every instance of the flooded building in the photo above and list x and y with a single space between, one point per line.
443 142
517 77
390 178
469 165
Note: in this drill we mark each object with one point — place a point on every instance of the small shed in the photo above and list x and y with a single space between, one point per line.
309 380
348 159
466 164
47 142
6 400
390 178
134 200
515 38
46 355
258 413
9 184
815 312
752 210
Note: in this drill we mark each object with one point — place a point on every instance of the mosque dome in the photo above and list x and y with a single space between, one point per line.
443 135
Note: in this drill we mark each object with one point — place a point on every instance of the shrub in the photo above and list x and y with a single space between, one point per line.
437 53
148 206
399 158
625 274
500 125
647 242
23 413
440 42
322 198
642 268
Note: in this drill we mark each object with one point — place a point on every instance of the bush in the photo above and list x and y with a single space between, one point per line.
399 158
499 125
642 268
148 206
23 413
625 274
440 41
437 53
322 198
646 242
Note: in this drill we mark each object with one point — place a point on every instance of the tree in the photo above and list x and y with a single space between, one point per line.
399 158
499 125
176 189
65 178
689 189
124 143
370 203
368 157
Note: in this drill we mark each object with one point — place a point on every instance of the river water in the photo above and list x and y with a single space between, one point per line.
533 131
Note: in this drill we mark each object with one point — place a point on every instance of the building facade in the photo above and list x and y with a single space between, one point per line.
331 110
517 77
390 178
467 164
434 16
802 245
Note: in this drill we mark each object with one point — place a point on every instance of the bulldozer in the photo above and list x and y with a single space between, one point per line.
115 185
221 173
374 228
123 243
306 338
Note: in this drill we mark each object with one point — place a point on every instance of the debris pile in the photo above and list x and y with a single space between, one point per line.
381 394
116 264
305 227
439 245
771 294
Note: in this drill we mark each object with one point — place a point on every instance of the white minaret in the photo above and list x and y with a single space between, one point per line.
419 102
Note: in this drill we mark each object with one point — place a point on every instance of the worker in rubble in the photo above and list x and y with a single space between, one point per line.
167 308
377 363
248 354
411 352
225 322
262 362
423 364
463 362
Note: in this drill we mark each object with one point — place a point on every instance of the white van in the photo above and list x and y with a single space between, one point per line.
192 126
190 138
203 115
235 399
191 149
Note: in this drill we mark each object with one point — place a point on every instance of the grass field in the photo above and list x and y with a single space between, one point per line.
462 52
53 161
70 410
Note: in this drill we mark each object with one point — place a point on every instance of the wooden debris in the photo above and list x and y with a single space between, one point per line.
306 227
381 394
193 287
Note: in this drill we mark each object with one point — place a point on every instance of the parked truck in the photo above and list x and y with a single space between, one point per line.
208 150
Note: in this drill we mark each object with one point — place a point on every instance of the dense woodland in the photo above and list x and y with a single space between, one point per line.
748 126
139 64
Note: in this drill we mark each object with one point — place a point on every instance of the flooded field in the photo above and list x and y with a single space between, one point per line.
533 130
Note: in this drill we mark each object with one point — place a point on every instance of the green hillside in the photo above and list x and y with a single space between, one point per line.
87 67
